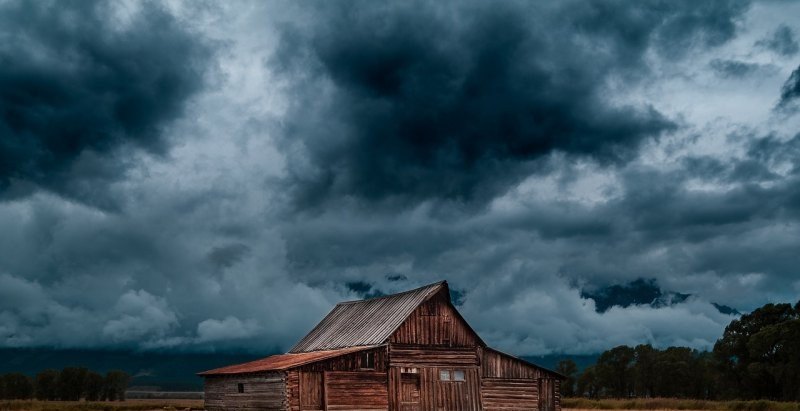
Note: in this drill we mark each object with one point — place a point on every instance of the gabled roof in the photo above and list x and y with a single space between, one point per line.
365 322
283 361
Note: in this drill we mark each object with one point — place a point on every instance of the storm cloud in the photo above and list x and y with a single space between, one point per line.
79 79
188 167
458 100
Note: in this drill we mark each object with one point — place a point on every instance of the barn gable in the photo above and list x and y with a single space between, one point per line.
436 322
365 322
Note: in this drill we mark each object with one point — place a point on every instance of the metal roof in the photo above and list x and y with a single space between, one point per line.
365 322
283 361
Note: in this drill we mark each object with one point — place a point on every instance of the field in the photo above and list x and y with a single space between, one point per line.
129 405
576 404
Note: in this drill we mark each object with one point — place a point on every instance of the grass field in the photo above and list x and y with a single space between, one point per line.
129 405
575 404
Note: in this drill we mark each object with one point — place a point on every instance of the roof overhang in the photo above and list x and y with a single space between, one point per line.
282 362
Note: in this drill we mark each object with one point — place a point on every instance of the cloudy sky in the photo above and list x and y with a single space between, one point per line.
216 175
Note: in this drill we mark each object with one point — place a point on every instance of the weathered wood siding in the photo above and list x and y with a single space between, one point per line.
356 390
435 322
265 391
431 356
509 394
497 365
549 394
350 362
324 380
433 394
508 383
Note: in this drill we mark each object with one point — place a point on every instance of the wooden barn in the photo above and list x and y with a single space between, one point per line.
410 351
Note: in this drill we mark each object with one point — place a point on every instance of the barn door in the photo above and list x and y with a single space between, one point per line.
311 391
547 394
409 392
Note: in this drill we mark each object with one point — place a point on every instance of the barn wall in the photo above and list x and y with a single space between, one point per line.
264 391
337 390
356 390
496 365
436 395
422 356
435 322
506 381
509 394
350 362
314 379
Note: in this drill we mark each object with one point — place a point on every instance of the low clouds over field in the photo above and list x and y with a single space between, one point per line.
216 176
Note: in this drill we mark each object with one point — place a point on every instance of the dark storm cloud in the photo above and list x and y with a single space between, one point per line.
543 117
228 255
457 101
790 92
782 41
733 68
79 79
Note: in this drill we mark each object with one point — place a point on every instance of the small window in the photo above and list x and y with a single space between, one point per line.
458 375
241 388
368 360
444 375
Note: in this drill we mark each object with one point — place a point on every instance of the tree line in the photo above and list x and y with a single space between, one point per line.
757 357
68 384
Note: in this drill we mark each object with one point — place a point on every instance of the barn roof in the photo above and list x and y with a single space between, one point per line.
283 361
365 322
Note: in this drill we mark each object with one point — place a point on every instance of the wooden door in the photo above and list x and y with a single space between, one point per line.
409 392
311 391
547 394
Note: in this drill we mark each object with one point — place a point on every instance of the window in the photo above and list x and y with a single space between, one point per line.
368 360
444 375
458 375
452 375
240 388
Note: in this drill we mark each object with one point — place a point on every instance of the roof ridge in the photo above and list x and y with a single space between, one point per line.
442 282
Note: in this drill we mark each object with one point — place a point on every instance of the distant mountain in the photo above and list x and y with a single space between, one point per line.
168 371
551 361
641 292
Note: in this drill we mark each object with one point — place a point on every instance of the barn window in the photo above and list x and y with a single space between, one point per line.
444 375
458 375
368 360
240 387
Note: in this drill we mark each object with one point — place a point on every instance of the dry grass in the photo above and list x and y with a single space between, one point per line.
129 405
575 404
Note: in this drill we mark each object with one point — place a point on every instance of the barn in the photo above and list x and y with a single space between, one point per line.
410 351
